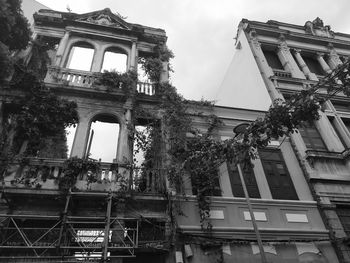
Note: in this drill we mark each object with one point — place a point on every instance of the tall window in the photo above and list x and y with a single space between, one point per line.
80 56
114 60
236 183
312 138
273 60
313 65
103 139
343 213
278 178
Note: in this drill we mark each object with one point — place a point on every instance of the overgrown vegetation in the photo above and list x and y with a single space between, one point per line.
34 114
14 34
115 81
39 114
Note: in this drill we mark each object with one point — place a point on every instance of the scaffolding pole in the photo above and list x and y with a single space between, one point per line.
64 219
252 216
107 227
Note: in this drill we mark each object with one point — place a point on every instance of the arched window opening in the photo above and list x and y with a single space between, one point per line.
103 139
80 56
114 60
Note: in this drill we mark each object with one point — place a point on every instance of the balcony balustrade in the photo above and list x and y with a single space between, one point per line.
86 79
45 174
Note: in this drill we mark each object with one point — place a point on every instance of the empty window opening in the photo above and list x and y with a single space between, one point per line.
114 61
80 57
141 144
103 139
147 157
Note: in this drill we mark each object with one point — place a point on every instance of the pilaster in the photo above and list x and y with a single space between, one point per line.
97 60
225 184
81 137
61 49
261 181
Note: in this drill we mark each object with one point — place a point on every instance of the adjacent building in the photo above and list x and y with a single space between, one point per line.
283 59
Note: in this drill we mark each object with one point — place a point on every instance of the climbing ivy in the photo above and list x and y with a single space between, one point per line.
200 155
115 81
73 167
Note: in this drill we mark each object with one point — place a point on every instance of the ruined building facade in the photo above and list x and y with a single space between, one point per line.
283 59
89 222
93 222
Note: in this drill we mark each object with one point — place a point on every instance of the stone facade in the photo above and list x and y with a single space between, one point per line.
291 58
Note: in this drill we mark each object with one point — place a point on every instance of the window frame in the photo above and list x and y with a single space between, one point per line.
278 191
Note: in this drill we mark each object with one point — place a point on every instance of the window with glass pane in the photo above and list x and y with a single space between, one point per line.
272 59
277 176
343 213
313 65
312 138
236 183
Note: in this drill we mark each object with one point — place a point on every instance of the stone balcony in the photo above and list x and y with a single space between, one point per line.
86 79
44 174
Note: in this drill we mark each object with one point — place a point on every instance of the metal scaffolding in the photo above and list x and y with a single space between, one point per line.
67 237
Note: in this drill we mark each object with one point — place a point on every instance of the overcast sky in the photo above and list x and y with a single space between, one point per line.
201 32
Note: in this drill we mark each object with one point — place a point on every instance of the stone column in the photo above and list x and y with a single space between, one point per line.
61 49
288 61
81 138
328 134
265 69
333 58
323 63
303 65
133 57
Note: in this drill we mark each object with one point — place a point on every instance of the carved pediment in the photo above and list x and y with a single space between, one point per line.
104 18
317 28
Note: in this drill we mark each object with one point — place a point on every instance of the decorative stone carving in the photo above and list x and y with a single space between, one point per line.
317 28
254 39
105 18
334 56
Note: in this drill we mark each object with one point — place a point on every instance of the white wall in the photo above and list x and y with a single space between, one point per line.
243 86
